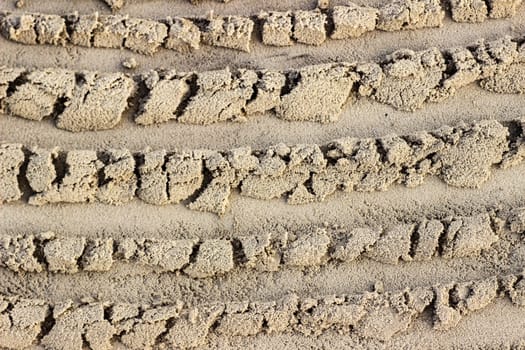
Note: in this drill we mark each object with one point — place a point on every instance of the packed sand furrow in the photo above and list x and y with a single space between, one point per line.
235 32
443 341
452 238
309 27
313 27
405 80
461 156
344 210
366 119
371 315
493 327
116 5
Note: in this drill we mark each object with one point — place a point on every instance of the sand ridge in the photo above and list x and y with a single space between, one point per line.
204 179
286 174
404 79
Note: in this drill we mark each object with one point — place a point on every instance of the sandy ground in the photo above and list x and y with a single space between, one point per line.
68 291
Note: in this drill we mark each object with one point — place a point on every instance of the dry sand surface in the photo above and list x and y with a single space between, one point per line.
271 174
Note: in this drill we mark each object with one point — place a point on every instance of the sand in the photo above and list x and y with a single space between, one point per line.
263 175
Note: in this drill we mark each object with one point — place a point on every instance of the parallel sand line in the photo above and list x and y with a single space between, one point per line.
495 327
310 27
461 156
116 5
370 315
152 325
396 15
421 241
405 80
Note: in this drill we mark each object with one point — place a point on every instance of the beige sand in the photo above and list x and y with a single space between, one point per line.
262 175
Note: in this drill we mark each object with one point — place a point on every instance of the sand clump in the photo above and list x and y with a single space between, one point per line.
221 96
309 27
166 93
79 101
39 95
183 36
231 32
410 14
352 21
12 157
97 103
324 90
277 29
145 36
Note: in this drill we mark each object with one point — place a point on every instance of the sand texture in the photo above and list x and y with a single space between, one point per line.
242 174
